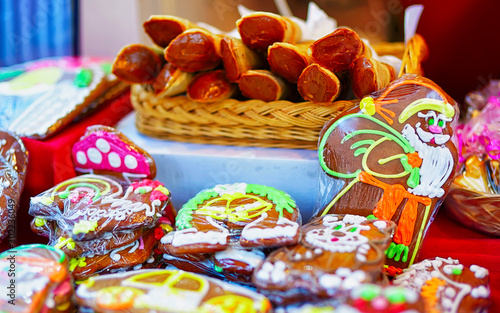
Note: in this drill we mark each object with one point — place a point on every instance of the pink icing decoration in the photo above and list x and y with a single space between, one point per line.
65 62
115 156
158 195
141 243
146 183
80 193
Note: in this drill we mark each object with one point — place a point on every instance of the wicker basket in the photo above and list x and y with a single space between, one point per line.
280 124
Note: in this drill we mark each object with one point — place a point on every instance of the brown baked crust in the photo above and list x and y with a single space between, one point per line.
318 84
237 58
369 75
210 87
162 29
137 64
314 268
337 50
13 166
288 60
263 85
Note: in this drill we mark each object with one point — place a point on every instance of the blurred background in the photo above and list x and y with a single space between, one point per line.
463 39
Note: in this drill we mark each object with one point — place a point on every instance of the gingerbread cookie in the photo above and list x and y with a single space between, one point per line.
165 291
335 254
106 151
448 286
53 92
394 157
37 280
129 255
90 206
13 165
63 239
252 215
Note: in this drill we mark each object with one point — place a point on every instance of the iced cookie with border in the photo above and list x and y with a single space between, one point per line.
336 253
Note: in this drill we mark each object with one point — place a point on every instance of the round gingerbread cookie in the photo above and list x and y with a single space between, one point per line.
90 206
167 291
249 214
448 286
37 279
335 254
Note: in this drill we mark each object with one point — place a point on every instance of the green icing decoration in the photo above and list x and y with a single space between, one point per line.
414 178
39 222
68 242
352 230
46 75
456 271
396 250
337 227
18 249
106 67
83 78
66 192
84 227
395 295
142 190
218 268
281 199
77 262
371 217
10 74
360 151
369 292
184 216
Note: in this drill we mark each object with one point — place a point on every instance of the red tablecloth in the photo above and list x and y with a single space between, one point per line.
50 163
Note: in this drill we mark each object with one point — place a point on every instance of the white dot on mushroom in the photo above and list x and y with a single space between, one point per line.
94 155
130 162
114 160
102 145
81 158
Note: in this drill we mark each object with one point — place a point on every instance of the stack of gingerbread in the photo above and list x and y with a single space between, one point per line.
270 57
111 218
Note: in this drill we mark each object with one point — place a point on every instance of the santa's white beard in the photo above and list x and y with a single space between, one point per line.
436 168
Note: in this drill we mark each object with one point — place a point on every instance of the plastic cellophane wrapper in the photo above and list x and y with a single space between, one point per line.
226 231
474 198
38 278
100 224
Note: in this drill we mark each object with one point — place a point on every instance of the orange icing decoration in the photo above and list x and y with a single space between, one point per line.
429 293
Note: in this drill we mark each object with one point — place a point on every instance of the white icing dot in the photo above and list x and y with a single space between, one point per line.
380 225
328 281
479 272
102 145
6 183
94 155
81 157
130 162
450 292
114 159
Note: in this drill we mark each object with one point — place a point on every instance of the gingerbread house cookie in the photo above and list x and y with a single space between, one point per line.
165 291
448 286
13 166
394 157
36 279
335 254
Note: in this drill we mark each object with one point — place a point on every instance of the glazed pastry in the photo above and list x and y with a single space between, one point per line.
55 92
317 84
259 30
194 50
253 215
238 58
165 291
263 85
337 50
90 206
162 29
287 60
137 64
335 254
369 75
448 286
13 165
211 86
105 151
171 81
395 159
38 282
